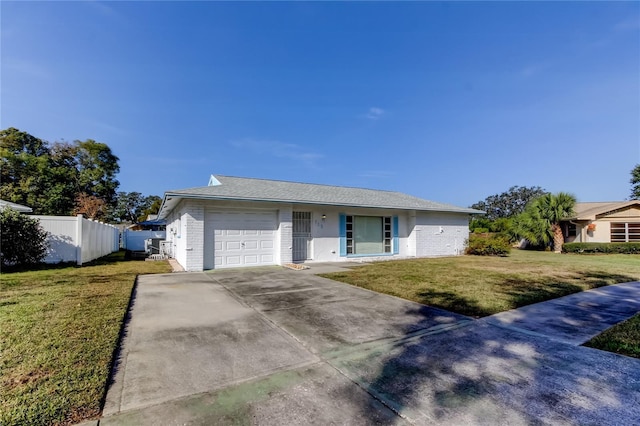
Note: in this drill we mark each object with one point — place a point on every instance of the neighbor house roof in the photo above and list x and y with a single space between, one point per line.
246 189
17 207
589 211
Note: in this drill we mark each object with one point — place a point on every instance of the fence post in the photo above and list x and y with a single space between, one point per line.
79 240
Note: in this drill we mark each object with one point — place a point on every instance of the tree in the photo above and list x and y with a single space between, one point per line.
24 242
152 206
23 167
510 203
540 222
134 207
635 183
90 206
49 178
97 169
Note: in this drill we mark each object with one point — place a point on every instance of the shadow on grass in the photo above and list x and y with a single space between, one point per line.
452 302
527 292
518 292
109 259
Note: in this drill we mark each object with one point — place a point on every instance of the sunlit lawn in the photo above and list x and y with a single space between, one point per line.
623 338
479 286
58 331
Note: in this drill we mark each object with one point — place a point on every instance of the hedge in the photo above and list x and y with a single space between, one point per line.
622 248
492 245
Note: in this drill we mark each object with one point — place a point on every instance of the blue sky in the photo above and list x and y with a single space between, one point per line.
448 101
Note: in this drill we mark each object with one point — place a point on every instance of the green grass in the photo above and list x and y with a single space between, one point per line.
58 331
623 338
479 286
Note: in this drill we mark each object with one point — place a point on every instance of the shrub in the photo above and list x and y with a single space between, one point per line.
492 245
23 240
610 248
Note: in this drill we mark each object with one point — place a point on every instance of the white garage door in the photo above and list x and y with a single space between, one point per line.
243 238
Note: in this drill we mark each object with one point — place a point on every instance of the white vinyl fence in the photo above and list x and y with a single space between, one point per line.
134 240
76 239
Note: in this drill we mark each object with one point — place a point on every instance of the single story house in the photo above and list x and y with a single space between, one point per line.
604 222
238 221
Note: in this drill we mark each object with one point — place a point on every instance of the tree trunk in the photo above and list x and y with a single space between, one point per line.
558 237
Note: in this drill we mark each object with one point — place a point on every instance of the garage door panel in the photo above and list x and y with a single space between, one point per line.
250 245
251 260
233 245
243 238
232 260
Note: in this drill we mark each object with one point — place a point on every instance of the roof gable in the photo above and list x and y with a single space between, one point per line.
591 211
247 189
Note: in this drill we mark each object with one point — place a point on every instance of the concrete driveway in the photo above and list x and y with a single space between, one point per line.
273 346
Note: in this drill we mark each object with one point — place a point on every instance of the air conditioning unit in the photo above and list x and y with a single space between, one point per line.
152 245
165 248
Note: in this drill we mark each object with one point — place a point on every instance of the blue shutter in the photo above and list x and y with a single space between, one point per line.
343 234
396 240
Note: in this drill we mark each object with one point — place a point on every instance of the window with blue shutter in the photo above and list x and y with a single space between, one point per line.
396 240
343 234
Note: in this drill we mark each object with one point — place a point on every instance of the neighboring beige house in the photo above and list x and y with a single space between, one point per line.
604 222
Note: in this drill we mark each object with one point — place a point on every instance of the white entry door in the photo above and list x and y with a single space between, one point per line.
243 238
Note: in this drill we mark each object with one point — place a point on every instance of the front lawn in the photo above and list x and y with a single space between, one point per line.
479 286
623 338
58 330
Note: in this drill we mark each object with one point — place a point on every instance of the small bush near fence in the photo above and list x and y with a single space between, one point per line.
609 248
24 242
488 245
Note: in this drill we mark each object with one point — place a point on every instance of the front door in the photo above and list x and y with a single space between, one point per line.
301 236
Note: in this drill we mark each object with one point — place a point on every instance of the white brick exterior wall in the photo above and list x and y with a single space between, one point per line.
285 235
421 234
440 234
193 221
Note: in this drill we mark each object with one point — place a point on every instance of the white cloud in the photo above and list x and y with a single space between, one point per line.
374 113
278 149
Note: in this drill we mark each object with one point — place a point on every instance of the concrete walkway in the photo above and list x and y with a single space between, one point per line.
576 318
273 346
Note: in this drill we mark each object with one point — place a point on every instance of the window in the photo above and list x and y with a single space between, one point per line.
571 230
368 235
622 232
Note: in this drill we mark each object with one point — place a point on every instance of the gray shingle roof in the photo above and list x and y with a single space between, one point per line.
15 206
237 188
589 211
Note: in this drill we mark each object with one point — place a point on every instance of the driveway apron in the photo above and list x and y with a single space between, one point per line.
273 346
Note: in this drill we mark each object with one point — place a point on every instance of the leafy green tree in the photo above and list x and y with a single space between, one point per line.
49 178
134 207
97 170
540 222
635 183
24 242
23 168
152 206
509 203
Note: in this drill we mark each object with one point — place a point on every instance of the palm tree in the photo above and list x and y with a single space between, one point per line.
540 222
